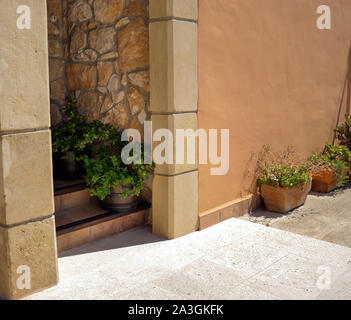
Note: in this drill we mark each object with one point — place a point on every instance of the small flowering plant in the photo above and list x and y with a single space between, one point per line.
281 170
278 175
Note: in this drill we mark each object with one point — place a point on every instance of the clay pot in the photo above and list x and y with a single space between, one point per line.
324 181
283 200
115 204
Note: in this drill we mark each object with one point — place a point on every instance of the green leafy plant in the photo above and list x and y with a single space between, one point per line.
76 135
340 152
343 132
335 159
281 170
106 170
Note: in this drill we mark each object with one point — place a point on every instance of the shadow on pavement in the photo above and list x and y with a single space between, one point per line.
131 238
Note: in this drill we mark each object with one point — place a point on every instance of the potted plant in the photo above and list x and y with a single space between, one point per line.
283 184
115 184
330 168
72 140
343 134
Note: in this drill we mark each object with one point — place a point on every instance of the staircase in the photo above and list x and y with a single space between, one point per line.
79 218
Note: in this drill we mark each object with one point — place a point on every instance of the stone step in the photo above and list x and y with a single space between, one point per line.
79 218
72 200
71 194
79 225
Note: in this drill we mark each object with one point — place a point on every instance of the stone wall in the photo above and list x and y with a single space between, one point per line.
57 57
99 53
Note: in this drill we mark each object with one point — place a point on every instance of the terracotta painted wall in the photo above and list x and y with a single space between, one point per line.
269 75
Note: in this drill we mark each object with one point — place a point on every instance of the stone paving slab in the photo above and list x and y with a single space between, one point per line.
324 216
235 259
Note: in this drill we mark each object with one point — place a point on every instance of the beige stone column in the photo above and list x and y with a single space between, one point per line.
174 101
28 254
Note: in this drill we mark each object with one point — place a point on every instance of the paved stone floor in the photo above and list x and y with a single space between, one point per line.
324 216
236 259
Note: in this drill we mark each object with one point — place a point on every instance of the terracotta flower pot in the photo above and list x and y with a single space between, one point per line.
324 181
114 203
283 200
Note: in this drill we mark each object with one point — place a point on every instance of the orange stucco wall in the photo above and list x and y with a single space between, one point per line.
269 75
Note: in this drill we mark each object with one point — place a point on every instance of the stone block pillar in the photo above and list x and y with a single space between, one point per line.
28 254
174 105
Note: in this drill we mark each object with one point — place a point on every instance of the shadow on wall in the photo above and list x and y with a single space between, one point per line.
248 180
345 91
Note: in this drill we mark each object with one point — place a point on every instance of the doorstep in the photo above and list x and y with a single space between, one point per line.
79 218
80 225
64 186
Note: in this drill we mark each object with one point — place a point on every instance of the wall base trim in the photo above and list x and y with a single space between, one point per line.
233 209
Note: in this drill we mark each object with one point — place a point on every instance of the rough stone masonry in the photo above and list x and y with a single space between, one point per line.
99 53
